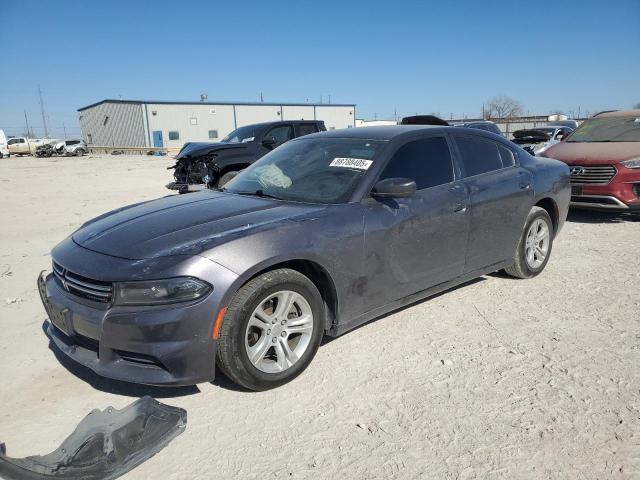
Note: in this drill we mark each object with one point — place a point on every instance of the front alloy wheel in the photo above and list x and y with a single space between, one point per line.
271 330
279 332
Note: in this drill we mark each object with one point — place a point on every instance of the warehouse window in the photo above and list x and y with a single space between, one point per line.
89 138
174 135
213 133
193 120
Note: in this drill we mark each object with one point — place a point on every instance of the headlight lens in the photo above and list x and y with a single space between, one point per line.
631 163
159 292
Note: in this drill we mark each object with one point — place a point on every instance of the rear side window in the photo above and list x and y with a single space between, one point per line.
426 161
507 157
478 155
305 129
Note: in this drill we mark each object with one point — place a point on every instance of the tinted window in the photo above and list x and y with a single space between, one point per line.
281 134
426 161
174 136
478 155
305 129
72 142
507 157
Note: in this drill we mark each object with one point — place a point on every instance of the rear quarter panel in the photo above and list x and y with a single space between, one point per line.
551 179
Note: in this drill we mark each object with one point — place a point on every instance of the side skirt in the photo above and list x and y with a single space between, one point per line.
340 328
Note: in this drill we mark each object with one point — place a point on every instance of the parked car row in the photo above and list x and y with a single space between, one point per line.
66 147
40 147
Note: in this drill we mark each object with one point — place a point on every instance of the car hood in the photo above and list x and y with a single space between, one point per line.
184 224
590 153
197 149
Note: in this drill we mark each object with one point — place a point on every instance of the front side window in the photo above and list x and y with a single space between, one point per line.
313 170
241 135
174 135
478 155
426 161
608 129
281 134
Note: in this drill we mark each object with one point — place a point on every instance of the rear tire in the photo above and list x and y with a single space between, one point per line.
534 247
281 338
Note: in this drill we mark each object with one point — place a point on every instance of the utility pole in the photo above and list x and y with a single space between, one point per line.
27 122
329 98
44 121
261 98
64 129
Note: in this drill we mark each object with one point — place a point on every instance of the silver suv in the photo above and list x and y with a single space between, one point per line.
71 147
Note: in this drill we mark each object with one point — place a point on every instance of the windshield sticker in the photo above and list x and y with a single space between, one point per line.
271 176
359 163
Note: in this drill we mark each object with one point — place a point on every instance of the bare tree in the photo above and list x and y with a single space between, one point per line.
502 107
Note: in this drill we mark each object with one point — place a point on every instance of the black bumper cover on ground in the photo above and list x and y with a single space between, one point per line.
105 444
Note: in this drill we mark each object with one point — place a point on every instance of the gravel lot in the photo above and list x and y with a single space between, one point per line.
496 379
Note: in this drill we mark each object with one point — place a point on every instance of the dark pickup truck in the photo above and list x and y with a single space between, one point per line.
201 165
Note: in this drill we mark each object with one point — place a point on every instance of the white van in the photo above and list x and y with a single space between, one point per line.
4 149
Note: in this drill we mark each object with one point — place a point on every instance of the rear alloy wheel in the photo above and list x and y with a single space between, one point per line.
535 245
271 330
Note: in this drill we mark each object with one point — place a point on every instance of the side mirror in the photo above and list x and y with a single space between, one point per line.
394 188
269 142
563 136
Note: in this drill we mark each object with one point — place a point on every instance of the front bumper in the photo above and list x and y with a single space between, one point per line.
159 345
621 194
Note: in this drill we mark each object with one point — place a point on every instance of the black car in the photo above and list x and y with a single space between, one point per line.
316 238
202 165
485 125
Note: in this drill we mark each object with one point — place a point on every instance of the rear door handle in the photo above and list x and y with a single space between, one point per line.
525 186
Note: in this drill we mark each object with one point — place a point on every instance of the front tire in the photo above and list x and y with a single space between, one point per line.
225 178
271 331
534 247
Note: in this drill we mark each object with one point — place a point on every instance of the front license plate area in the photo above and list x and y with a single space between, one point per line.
576 190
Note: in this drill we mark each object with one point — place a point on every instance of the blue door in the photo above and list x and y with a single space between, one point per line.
157 139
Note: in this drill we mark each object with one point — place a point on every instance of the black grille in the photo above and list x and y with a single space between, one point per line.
593 174
95 290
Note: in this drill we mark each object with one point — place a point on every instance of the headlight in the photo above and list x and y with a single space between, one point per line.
632 163
158 292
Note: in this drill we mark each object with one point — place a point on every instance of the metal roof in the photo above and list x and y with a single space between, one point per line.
273 104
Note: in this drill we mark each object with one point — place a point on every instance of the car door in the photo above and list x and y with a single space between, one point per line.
420 241
500 196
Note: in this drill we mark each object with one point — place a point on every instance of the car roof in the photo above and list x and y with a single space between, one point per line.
277 122
390 132
634 112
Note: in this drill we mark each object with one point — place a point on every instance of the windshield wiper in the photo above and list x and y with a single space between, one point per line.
258 193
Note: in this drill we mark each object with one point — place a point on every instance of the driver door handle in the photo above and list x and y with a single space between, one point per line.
525 186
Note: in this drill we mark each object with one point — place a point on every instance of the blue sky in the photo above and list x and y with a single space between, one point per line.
414 57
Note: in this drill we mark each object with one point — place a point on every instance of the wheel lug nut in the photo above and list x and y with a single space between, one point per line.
274 340
284 334
274 321
268 332
283 322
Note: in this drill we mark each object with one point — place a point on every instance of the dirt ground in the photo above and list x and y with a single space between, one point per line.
496 379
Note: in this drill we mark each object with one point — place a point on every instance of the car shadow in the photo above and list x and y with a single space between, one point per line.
116 387
326 340
597 216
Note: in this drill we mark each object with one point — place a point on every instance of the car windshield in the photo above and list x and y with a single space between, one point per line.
241 135
608 129
318 170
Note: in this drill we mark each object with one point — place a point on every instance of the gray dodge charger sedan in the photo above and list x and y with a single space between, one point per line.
319 236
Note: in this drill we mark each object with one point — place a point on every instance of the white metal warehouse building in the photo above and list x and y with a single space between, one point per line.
137 123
